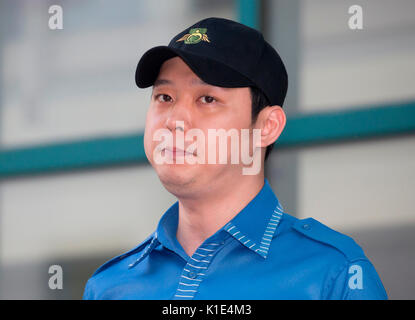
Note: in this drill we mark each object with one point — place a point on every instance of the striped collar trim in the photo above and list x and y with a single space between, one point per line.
153 244
262 246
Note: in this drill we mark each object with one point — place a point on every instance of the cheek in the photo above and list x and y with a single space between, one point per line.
228 144
150 128
148 148
237 116
231 121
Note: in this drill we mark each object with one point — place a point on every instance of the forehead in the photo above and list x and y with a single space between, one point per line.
175 70
176 67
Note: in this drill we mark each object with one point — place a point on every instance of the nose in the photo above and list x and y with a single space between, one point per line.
179 116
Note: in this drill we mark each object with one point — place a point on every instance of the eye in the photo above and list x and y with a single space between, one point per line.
207 99
163 98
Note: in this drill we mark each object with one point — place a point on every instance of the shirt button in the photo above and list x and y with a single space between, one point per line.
306 227
192 275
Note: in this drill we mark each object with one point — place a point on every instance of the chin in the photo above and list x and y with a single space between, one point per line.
174 176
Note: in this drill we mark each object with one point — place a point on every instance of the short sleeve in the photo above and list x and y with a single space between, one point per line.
87 292
358 280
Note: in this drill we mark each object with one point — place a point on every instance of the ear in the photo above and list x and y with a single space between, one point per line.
271 120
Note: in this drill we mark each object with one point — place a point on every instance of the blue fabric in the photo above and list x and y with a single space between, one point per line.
262 253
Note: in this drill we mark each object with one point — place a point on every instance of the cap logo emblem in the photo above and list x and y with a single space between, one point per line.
194 36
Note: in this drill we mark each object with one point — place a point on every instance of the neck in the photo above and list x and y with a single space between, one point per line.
204 214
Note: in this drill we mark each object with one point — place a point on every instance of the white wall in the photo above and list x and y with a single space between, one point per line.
353 68
79 214
354 186
364 184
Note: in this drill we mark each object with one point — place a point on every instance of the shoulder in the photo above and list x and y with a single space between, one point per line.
112 271
348 273
318 234
137 250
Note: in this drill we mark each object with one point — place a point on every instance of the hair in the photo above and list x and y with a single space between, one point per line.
259 102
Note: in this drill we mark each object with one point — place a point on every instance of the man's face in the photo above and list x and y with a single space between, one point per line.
180 95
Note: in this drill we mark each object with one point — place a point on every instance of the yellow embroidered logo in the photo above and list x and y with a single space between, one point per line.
194 36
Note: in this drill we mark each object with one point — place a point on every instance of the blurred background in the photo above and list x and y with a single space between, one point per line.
76 188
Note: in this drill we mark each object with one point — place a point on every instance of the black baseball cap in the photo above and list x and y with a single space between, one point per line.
223 53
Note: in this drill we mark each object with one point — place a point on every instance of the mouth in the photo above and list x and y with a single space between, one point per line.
177 152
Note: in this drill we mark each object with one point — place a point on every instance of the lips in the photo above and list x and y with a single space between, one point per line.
177 151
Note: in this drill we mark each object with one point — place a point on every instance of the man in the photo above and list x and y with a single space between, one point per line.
227 236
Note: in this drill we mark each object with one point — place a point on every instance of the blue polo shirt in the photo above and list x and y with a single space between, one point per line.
262 253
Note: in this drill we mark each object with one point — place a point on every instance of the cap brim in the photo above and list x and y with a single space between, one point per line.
209 70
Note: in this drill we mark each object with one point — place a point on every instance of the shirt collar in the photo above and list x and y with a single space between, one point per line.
254 226
167 229
165 234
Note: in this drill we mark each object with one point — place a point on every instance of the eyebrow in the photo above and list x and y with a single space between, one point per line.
198 82
159 82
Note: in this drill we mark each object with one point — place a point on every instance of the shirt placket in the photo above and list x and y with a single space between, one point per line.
195 269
